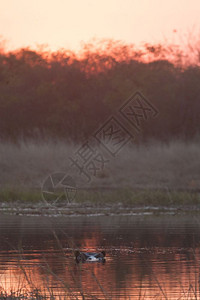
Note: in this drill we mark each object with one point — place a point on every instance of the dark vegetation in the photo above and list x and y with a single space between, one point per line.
68 96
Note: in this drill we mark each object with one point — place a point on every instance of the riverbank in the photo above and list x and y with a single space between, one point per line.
100 202
154 176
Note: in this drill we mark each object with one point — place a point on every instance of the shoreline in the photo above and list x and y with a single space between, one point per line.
91 211
101 202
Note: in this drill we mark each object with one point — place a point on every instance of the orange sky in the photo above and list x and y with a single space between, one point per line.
65 24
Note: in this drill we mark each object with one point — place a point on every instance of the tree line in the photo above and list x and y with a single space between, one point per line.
68 96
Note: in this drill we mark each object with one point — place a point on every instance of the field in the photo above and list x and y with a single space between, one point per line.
167 168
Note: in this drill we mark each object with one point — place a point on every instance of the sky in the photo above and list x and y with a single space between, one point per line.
70 23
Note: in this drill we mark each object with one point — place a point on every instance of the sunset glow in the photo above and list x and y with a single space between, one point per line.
67 24
99 149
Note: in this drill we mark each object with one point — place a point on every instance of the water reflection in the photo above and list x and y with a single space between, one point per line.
147 257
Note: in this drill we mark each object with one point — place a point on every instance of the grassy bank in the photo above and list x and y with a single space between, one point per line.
103 196
105 202
153 174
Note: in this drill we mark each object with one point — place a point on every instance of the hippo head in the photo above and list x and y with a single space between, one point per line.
90 256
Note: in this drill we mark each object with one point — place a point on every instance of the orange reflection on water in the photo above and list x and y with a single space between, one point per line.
151 275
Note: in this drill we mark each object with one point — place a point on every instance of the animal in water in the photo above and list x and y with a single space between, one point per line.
90 256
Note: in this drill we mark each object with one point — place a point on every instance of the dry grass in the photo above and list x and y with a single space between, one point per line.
174 165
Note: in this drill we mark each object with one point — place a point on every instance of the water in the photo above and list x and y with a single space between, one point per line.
147 257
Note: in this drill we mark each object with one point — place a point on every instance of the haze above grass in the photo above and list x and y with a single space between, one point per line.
151 165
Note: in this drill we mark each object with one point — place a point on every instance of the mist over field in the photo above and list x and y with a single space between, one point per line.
152 166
